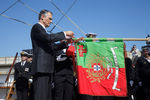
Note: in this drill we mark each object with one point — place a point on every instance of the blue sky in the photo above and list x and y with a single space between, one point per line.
107 18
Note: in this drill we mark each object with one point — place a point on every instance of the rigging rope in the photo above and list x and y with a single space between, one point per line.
9 7
1 14
55 25
63 15
38 13
16 20
68 18
28 6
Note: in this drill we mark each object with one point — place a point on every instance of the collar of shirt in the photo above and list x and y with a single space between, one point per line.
23 63
43 26
148 60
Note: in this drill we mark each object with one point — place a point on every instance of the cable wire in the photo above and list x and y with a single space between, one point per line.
9 7
15 19
63 15
68 18
28 6
38 13
57 27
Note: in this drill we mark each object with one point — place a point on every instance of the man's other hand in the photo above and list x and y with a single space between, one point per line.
69 34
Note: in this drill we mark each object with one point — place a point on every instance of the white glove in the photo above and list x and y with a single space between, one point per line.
30 80
131 83
140 83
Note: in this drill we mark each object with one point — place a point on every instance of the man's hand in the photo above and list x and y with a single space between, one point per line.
79 39
69 34
71 40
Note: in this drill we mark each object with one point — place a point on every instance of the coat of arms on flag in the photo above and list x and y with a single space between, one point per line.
101 68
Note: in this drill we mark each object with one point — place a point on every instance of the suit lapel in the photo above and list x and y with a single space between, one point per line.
20 67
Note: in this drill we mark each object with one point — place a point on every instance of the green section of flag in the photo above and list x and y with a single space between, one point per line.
96 52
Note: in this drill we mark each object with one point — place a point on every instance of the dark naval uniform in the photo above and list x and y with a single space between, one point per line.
143 77
63 78
21 76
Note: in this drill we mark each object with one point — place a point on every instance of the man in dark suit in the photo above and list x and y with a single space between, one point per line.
44 48
21 76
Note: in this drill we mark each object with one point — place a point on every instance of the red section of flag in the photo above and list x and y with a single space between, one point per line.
104 87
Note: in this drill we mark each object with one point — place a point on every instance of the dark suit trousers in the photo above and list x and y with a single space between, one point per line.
146 90
63 87
22 94
42 87
88 97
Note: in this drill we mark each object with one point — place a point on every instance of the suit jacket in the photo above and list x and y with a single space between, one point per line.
22 74
44 48
142 69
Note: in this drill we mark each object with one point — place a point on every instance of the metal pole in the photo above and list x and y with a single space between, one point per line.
115 39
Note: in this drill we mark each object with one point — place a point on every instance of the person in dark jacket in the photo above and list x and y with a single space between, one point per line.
44 49
63 78
21 76
142 76
31 94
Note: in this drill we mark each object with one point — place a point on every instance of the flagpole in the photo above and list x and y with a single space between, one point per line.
115 39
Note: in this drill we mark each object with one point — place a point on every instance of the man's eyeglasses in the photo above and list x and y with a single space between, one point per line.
50 18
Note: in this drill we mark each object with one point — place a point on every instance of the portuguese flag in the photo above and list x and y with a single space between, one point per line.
101 68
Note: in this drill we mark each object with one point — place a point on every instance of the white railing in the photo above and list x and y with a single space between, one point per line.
8 60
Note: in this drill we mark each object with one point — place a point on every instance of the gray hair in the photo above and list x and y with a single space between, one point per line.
44 12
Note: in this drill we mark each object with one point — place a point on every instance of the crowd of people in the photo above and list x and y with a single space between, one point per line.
49 74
